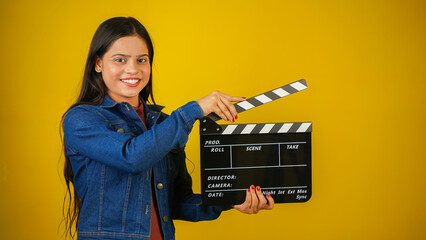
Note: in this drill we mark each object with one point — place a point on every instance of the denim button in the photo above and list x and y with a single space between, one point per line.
159 186
165 219
120 130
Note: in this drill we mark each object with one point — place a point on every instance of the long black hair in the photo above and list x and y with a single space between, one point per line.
93 90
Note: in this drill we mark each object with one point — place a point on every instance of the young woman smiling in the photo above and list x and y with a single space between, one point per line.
125 158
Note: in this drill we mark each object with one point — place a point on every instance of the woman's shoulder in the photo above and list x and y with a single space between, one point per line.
82 109
83 113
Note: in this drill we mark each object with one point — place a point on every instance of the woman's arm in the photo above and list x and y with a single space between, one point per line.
87 133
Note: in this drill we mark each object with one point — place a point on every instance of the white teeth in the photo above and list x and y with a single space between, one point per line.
132 81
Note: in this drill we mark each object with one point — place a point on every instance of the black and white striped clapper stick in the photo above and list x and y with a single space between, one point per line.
266 97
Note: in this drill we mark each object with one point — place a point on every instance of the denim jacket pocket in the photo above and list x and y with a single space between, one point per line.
122 127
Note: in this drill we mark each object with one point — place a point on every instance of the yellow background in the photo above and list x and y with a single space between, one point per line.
364 62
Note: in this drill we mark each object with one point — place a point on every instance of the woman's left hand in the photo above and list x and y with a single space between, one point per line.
255 201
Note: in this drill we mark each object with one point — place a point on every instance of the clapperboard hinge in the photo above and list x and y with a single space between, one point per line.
208 126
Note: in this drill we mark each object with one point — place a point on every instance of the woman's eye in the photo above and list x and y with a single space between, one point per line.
119 59
142 60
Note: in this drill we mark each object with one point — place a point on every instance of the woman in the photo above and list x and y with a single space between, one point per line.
125 158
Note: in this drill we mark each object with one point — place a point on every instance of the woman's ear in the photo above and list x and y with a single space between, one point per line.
98 65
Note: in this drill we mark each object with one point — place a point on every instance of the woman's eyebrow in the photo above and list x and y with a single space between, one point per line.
124 55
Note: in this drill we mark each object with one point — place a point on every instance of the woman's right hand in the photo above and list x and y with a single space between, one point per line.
255 201
221 104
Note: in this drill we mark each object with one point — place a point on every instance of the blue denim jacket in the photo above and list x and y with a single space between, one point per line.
112 153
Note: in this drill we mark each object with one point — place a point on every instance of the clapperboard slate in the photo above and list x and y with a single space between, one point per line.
274 156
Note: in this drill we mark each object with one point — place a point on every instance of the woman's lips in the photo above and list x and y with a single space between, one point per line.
131 82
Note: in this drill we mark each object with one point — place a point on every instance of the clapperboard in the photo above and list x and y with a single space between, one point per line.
274 156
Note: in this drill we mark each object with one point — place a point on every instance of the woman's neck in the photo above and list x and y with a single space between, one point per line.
134 101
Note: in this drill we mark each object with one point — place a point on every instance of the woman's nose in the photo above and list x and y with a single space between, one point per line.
131 68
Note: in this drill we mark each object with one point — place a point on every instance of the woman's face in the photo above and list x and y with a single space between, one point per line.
125 69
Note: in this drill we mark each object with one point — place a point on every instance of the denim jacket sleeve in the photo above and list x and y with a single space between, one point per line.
187 205
86 132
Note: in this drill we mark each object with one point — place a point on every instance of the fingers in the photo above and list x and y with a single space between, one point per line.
227 101
248 200
236 99
226 106
264 203
222 113
262 199
227 109
255 201
245 206
221 104
271 202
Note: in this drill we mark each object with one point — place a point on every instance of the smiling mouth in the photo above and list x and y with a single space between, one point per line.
131 81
